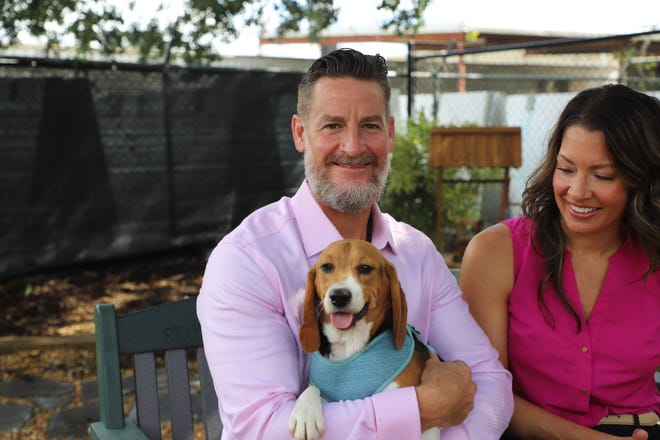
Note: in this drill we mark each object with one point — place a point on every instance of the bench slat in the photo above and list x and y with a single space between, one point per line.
212 422
146 394
179 393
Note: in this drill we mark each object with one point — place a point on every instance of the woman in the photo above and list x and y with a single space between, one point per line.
569 293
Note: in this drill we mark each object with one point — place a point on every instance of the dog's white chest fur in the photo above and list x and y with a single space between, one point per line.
345 344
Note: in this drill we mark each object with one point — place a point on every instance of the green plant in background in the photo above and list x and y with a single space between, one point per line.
462 201
411 193
459 199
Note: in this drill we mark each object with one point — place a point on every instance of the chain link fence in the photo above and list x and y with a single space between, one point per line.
523 85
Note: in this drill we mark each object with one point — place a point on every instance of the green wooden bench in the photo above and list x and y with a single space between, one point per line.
170 329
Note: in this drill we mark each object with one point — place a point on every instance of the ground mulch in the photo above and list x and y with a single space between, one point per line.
60 302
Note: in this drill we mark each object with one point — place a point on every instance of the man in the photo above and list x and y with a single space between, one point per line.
251 297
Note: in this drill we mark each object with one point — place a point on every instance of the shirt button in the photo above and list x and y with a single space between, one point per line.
585 349
584 391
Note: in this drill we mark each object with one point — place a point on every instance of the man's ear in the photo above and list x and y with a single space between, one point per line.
298 132
391 131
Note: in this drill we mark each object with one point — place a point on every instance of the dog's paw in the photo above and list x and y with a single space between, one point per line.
306 421
431 434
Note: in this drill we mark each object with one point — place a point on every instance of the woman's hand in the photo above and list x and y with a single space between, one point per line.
640 434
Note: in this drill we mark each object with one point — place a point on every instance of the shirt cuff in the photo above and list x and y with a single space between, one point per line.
397 414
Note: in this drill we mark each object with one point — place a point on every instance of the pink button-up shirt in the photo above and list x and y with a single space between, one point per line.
250 311
605 368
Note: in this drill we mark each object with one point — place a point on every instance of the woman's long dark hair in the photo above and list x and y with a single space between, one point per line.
630 121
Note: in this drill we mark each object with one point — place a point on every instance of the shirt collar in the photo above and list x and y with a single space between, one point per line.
317 231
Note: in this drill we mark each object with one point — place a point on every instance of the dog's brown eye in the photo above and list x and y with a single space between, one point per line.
363 269
327 267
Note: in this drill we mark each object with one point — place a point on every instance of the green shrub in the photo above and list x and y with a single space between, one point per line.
411 193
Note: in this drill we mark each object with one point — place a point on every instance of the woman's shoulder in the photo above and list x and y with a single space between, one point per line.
493 245
494 235
518 225
520 231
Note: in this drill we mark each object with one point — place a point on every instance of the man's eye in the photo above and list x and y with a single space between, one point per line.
363 269
327 267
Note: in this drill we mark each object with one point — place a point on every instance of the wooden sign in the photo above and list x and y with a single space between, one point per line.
474 147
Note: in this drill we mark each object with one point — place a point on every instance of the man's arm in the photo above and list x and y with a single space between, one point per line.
445 394
258 369
456 336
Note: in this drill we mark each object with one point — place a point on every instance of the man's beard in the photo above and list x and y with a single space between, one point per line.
350 197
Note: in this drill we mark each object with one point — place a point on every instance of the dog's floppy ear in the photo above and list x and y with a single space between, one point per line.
399 306
310 336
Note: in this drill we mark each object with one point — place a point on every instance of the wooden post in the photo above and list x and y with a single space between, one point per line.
504 201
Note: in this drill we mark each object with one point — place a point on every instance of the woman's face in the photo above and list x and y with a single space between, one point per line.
589 192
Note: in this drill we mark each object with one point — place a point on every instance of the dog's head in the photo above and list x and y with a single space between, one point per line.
352 284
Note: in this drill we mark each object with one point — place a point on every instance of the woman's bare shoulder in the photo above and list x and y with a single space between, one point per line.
491 249
495 235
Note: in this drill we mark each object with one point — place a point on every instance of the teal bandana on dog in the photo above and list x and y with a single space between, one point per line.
365 373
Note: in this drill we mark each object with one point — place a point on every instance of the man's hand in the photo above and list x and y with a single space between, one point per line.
446 393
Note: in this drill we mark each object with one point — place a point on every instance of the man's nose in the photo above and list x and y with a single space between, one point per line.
352 143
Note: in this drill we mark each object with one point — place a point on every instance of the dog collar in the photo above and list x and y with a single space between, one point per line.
365 373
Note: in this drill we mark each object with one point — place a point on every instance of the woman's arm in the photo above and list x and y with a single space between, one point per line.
532 422
486 280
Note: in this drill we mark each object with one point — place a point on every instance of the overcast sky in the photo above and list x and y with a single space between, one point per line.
602 17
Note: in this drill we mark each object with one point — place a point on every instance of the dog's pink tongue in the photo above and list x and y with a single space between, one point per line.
341 320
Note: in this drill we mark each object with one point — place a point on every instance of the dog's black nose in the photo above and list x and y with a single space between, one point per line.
340 297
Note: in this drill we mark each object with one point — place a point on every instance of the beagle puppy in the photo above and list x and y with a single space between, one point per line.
354 322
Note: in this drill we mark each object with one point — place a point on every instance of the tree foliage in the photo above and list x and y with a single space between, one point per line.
99 25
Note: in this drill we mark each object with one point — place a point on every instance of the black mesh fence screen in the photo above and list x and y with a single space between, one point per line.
106 160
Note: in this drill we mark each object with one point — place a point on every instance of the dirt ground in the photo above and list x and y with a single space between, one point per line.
61 302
